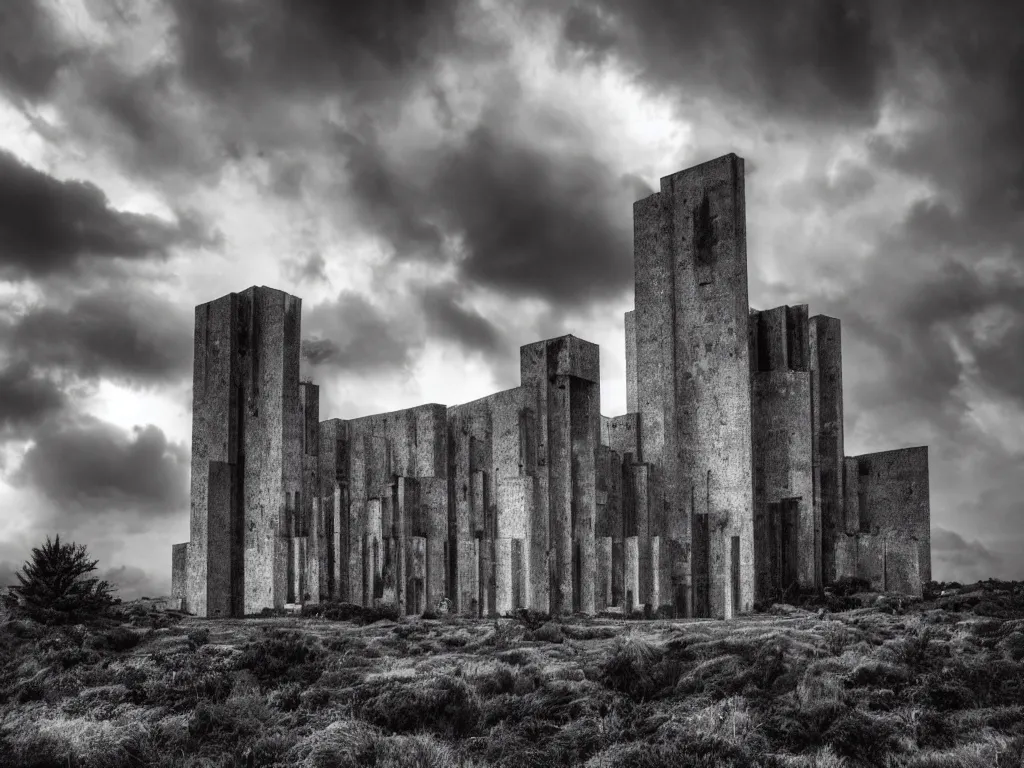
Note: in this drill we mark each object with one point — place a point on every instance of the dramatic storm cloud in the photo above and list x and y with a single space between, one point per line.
443 181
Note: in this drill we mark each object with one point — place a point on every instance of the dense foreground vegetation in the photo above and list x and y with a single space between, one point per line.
939 683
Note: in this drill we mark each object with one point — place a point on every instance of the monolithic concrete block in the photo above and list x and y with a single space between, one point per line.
478 502
179 572
515 506
373 568
902 565
826 368
618 572
373 518
502 576
222 546
846 556
871 559
296 570
893 493
655 561
468 595
632 573
603 593
416 595
433 492
391 593
487 586
771 340
431 441
851 495
624 435
522 572
783 469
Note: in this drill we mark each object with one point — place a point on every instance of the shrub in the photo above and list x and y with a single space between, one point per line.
54 589
849 585
633 668
446 706
198 636
548 632
283 655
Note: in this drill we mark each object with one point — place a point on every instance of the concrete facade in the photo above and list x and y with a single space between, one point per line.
724 484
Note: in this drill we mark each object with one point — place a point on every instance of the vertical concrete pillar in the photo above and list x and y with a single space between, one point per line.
434 498
826 367
487 585
603 597
618 572
502 576
632 573
691 290
468 595
655 561
416 602
179 574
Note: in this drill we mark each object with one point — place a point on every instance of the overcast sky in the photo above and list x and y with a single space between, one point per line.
441 181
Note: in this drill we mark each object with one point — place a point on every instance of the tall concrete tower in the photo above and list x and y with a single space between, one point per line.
247 452
691 325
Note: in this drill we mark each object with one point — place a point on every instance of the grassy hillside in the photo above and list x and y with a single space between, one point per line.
939 683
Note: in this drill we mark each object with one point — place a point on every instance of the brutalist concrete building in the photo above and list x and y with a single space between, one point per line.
725 484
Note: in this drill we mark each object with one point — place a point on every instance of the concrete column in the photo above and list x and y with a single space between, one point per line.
502 576
603 597
468 596
618 573
416 597
632 572
487 595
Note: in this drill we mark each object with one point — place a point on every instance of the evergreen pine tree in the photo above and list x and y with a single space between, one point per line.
54 588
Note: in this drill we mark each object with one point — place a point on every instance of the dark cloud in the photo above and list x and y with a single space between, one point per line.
552 224
26 399
447 318
119 333
805 59
351 334
49 226
372 51
87 465
527 220
31 52
394 205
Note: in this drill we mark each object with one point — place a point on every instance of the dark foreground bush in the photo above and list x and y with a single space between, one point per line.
447 706
282 656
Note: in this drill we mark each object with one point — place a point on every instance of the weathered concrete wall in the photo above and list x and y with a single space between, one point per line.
783 443
826 367
334 500
271 438
179 574
493 458
215 427
311 521
384 486
624 435
891 497
246 414
782 461
631 370
564 373
693 360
